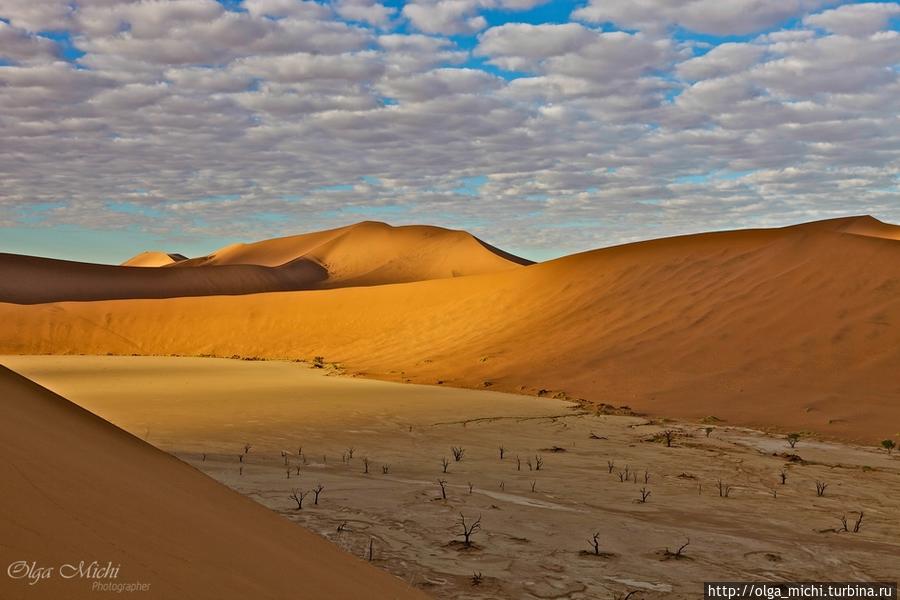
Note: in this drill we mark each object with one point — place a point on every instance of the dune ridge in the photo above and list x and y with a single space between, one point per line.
367 253
78 488
795 328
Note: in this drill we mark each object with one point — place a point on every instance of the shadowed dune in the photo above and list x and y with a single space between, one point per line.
795 328
33 280
363 254
78 488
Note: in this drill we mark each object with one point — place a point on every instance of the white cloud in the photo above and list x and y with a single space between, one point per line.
366 11
855 19
735 17
720 61
457 16
19 45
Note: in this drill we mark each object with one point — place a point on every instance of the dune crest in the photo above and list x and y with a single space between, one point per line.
83 489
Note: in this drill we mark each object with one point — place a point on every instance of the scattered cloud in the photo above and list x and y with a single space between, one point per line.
612 122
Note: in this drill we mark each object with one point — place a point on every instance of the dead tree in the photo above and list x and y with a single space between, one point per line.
708 431
858 523
458 453
287 473
468 530
724 489
843 519
680 552
646 477
298 470
470 488
477 578
385 469
530 466
538 462
533 485
204 457
366 465
645 493
820 488
792 439
284 456
443 484
518 463
241 470
247 448
669 435
371 549
317 490
298 496
783 476
623 476
350 451
445 462
595 542
610 465
502 451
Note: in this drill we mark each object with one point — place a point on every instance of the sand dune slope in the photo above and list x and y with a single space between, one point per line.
796 327
78 488
363 254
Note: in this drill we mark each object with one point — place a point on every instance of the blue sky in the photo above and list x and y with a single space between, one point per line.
545 127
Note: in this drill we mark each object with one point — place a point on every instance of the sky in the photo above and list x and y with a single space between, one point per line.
544 127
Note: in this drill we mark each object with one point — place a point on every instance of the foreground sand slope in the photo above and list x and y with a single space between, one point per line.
794 327
78 488
367 253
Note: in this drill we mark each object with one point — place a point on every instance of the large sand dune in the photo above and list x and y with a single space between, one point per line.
793 328
363 254
77 488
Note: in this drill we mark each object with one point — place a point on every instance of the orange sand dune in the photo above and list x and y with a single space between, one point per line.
78 488
153 259
362 254
372 253
795 328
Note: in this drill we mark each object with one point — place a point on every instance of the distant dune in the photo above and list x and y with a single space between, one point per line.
794 328
153 259
358 255
79 488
